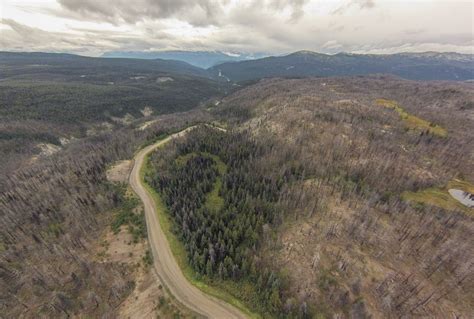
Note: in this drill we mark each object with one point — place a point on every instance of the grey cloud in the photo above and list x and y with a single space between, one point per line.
28 34
262 27
196 12
362 4
295 5
25 38
365 4
332 46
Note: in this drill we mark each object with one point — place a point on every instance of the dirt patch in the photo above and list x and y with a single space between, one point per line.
65 140
119 171
149 298
125 120
145 125
120 247
147 111
143 301
48 149
163 79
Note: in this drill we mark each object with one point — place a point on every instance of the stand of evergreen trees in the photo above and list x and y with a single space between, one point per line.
221 242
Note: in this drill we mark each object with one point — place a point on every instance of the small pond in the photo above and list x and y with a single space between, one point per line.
465 198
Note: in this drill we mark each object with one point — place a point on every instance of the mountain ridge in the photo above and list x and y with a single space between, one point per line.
413 66
202 59
64 59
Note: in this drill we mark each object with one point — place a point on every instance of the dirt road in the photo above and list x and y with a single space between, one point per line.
164 262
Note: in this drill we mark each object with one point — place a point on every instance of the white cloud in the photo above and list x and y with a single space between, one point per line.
418 47
331 45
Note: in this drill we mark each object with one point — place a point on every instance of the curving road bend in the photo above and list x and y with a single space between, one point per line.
164 262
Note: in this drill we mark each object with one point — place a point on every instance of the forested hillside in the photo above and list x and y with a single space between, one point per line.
330 197
64 121
65 88
46 100
25 64
415 66
325 197
53 215
368 226
202 59
236 159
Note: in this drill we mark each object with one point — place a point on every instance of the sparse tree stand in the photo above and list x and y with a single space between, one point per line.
52 213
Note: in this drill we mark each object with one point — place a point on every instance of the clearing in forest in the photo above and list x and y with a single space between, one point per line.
411 121
440 197
214 201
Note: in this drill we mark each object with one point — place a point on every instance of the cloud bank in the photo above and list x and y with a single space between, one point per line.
92 27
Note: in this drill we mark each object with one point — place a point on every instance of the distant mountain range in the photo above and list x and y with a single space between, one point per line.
41 63
415 66
202 59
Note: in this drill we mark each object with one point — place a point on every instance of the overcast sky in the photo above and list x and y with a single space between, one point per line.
91 27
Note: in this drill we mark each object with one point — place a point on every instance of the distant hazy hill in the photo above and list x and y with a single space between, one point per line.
202 59
416 66
35 62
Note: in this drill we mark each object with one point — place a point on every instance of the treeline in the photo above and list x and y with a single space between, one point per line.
221 243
